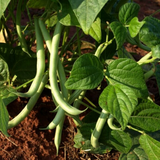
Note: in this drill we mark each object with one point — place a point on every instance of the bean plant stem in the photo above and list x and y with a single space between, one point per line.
110 123
98 128
18 27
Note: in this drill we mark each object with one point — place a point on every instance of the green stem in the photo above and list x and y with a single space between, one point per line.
86 105
150 73
31 103
110 123
102 47
18 28
98 128
145 58
130 127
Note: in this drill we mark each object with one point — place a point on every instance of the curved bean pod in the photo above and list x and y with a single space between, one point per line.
53 74
29 106
58 134
40 64
57 119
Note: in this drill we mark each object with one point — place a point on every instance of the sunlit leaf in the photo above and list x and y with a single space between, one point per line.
128 11
120 101
87 73
3 6
4 118
127 72
86 11
150 146
119 32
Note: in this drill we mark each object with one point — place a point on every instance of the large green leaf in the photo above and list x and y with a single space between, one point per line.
95 30
156 51
149 33
4 72
136 153
87 73
128 72
150 146
19 62
4 118
67 16
135 26
7 95
3 6
127 12
38 3
121 141
86 11
145 115
120 33
120 101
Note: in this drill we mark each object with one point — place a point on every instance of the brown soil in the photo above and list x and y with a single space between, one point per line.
27 142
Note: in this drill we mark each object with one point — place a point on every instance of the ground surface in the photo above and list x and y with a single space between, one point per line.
27 142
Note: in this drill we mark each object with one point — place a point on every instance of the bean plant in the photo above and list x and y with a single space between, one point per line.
126 118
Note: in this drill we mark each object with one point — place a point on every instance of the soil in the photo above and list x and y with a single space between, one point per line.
27 142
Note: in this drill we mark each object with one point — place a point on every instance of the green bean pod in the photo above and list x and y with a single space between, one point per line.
57 119
98 128
29 106
40 64
58 134
53 74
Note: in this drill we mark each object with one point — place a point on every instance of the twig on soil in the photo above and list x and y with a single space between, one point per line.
9 140
6 152
65 152
96 157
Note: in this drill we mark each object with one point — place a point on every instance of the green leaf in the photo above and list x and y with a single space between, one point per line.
136 153
87 73
120 33
3 6
67 16
19 62
86 11
127 12
51 21
156 51
38 3
120 101
149 33
150 146
4 73
157 75
121 141
145 115
135 26
7 95
95 30
127 72
4 118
